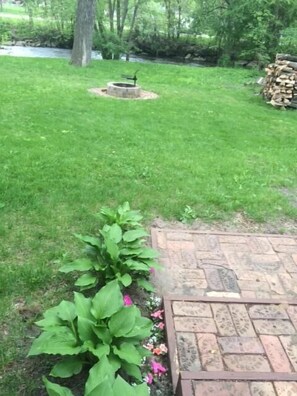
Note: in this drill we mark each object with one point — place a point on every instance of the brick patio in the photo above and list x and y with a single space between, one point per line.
231 312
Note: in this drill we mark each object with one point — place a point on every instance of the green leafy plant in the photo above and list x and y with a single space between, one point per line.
118 252
92 330
101 381
188 215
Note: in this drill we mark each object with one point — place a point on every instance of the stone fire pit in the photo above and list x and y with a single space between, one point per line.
123 90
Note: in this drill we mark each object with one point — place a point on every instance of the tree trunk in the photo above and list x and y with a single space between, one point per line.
83 32
179 19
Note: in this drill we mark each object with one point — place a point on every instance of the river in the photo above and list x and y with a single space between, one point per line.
40 52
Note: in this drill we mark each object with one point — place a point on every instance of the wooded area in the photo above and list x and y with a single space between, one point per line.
223 30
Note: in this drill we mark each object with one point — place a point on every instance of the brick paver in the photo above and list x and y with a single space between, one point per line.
229 262
233 309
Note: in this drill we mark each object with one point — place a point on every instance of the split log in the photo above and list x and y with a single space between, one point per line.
287 57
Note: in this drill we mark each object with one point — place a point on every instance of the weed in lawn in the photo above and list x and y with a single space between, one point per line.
188 215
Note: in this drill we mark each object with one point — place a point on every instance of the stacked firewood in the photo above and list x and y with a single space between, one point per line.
280 87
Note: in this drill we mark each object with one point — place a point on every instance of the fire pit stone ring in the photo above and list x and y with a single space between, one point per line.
123 90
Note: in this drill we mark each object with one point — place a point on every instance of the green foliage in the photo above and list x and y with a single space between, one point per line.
55 389
98 332
110 45
288 41
246 29
40 34
188 215
118 252
101 382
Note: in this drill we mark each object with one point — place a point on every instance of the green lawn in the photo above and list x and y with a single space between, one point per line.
208 142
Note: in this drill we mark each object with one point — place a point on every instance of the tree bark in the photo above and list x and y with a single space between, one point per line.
83 33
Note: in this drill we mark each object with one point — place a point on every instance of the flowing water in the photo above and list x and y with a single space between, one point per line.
40 52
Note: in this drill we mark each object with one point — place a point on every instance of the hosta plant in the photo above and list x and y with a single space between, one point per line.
88 330
117 252
101 382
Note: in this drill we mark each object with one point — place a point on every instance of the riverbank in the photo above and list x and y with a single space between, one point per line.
47 52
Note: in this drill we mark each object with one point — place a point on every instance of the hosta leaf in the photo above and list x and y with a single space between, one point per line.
131 217
103 389
132 370
93 241
112 249
130 251
126 280
141 390
100 350
114 361
123 321
86 280
99 373
77 265
83 306
152 264
122 388
107 301
67 311
115 233
144 352
132 235
60 343
128 352
102 333
146 285
142 329
55 389
109 213
123 208
50 323
51 319
85 329
85 320
137 265
148 253
67 367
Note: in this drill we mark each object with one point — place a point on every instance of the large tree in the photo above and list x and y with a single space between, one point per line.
83 32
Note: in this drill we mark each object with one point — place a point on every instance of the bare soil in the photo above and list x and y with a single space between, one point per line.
144 95
239 224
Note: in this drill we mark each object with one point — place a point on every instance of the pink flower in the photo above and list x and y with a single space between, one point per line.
149 378
157 351
163 348
157 314
152 270
150 347
161 325
158 368
127 300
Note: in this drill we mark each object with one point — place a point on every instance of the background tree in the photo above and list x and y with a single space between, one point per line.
83 33
246 28
116 20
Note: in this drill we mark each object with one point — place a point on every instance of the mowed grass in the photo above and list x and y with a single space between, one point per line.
208 142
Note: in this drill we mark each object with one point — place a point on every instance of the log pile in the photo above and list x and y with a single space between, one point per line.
280 88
